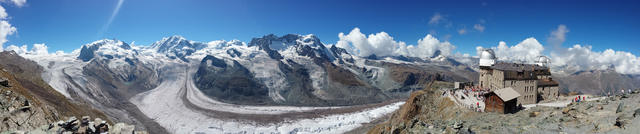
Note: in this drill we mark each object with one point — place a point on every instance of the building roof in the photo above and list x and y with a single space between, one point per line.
505 66
547 82
507 94
542 72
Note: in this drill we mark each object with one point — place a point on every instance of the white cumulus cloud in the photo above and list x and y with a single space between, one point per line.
580 57
5 27
525 51
428 46
39 49
382 44
20 50
3 13
584 58
5 30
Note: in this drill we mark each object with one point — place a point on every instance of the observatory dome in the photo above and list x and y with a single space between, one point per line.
487 57
487 54
542 60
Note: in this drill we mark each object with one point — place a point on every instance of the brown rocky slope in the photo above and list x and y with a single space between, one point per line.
25 80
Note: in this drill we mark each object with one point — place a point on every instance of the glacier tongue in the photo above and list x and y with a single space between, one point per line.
54 65
171 104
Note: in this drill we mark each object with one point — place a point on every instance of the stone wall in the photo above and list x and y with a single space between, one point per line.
548 92
526 89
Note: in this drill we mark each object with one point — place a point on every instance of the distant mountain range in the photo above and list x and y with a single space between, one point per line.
597 82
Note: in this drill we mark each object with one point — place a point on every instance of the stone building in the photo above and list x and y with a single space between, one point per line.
532 81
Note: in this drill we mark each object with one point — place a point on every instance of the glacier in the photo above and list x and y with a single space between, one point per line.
166 105
178 106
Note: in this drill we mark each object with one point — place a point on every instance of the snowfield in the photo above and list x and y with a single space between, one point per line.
166 106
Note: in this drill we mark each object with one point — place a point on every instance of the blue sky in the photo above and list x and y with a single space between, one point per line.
68 24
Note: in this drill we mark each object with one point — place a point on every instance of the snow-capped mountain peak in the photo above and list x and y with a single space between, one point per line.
281 43
172 42
292 45
108 42
218 44
177 47
310 40
105 47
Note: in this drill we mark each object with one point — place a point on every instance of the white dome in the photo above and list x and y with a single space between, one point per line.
487 57
487 54
542 60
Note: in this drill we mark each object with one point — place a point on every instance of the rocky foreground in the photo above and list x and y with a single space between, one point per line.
426 112
23 112
19 115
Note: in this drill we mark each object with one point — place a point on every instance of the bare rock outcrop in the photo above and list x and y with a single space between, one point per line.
82 126
17 112
4 82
